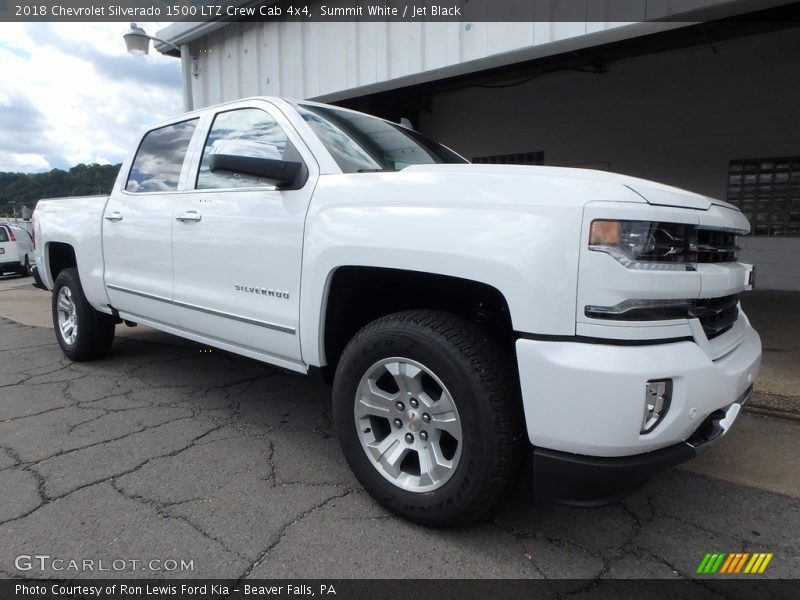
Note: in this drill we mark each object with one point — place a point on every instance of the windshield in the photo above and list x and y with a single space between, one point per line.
361 143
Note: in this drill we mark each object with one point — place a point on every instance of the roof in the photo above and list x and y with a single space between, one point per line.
182 33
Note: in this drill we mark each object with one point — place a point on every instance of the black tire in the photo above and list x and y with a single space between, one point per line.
95 330
26 267
484 388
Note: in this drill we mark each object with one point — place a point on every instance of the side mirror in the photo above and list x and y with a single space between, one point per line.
249 157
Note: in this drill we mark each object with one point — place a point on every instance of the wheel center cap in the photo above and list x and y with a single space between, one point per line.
413 420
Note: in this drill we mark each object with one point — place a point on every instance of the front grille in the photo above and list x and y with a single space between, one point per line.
716 315
715 246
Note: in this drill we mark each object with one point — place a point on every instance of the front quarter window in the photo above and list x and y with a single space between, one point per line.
359 142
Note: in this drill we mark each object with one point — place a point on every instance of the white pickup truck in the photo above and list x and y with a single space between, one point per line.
463 313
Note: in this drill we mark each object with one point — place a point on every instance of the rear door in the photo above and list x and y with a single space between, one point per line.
8 250
24 243
237 241
137 225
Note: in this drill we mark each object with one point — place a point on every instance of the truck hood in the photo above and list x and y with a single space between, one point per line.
650 191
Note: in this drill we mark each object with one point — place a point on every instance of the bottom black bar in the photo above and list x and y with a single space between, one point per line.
595 481
738 587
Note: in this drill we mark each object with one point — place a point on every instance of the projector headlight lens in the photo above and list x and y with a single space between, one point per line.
645 241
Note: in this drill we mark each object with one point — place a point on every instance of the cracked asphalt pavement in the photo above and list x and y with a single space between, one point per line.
165 451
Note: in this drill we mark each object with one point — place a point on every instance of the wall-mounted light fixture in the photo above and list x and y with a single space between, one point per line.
138 43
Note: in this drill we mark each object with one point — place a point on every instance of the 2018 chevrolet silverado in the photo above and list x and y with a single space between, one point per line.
463 313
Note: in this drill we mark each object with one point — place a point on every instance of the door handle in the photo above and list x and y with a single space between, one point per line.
189 215
114 216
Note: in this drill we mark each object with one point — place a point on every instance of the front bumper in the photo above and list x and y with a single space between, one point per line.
584 405
588 398
589 480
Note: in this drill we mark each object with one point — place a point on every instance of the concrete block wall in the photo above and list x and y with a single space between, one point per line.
777 261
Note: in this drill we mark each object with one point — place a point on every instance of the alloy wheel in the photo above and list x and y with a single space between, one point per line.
408 424
67 316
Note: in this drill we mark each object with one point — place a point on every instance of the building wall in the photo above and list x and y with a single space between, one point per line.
331 61
326 60
777 261
676 117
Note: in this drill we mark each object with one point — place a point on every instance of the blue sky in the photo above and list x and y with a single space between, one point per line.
70 93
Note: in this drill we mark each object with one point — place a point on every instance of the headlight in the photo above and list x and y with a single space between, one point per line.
646 244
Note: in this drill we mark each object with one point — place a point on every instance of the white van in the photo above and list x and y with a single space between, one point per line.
16 250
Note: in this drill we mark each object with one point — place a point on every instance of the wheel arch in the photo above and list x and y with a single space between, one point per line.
354 296
59 256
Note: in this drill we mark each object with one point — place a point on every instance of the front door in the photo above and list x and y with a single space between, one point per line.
237 243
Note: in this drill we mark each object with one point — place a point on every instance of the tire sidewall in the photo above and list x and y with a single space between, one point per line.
86 345
473 471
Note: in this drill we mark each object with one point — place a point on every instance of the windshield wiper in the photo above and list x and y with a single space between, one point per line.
374 170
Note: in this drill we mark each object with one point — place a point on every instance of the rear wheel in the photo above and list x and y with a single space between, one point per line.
427 413
26 267
81 331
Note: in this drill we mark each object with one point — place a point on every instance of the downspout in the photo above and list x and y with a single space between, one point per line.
186 78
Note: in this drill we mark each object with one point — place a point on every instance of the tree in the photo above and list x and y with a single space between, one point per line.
25 189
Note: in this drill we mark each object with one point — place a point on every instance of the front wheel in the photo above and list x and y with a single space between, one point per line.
81 331
427 413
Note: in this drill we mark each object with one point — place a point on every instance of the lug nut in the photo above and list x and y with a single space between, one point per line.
400 406
414 403
398 423
423 435
426 417
409 438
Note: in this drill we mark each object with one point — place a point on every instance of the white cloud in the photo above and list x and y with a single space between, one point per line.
70 93
25 163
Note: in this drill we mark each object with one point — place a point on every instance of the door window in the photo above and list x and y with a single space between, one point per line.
159 159
260 136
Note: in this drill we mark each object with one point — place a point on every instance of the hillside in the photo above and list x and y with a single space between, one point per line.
24 189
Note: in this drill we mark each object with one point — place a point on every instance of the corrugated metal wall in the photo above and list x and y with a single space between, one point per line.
336 60
313 60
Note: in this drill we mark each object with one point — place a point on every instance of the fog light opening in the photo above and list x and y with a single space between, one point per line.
657 398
